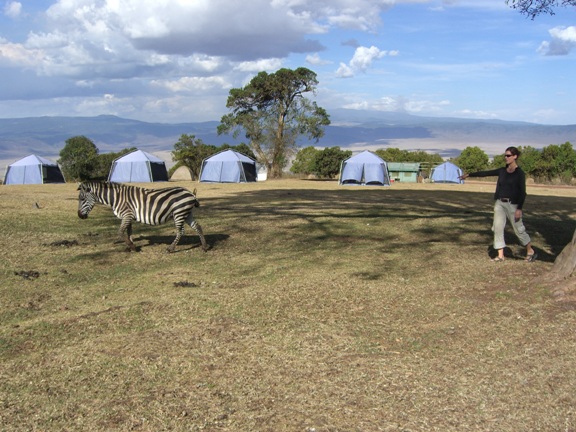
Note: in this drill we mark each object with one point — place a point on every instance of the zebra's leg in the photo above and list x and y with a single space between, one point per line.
179 234
126 232
196 226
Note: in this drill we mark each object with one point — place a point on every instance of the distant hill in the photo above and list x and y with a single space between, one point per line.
350 129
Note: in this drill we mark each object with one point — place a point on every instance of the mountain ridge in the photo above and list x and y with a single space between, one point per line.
350 129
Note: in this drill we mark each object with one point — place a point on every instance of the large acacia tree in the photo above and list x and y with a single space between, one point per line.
273 111
564 268
533 8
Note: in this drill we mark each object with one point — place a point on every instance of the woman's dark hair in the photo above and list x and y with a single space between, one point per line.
514 151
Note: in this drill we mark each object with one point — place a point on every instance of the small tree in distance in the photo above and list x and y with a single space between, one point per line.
304 162
327 162
472 159
79 159
190 152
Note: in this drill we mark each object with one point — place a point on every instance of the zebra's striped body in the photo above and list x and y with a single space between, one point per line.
149 206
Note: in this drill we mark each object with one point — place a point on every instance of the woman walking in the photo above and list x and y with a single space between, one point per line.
509 196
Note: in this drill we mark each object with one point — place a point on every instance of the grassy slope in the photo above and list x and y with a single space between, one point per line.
318 307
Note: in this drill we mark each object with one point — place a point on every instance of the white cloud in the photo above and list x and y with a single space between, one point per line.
113 38
364 57
259 65
401 104
316 60
192 84
13 54
361 60
13 9
562 42
344 71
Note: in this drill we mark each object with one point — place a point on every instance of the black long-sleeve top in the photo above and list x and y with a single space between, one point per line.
510 185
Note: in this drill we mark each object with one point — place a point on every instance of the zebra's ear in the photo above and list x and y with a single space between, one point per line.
194 192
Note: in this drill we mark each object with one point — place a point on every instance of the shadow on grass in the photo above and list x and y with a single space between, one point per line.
187 242
322 215
546 216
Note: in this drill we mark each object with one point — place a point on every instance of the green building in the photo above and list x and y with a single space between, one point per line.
406 172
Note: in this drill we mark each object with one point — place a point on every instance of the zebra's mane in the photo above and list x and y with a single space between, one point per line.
116 185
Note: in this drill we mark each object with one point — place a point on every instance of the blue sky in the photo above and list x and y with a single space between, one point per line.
176 60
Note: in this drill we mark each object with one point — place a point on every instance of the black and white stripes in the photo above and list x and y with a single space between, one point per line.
149 206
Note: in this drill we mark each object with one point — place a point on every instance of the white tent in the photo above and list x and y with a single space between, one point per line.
365 168
138 166
228 166
182 173
446 173
33 170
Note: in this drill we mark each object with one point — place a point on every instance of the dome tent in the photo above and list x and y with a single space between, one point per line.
446 173
138 166
182 173
228 166
365 168
33 170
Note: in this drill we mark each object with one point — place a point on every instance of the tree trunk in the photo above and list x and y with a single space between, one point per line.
560 279
275 171
565 263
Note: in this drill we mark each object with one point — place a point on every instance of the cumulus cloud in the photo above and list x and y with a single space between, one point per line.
361 60
401 104
187 84
83 38
152 51
13 9
316 60
562 42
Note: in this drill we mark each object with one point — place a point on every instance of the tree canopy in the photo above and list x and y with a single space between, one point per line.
327 162
472 159
79 159
273 112
533 8
190 152
304 162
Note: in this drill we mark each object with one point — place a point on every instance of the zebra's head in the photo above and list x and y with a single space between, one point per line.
86 200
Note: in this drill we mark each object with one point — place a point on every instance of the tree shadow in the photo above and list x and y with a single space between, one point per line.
187 242
547 217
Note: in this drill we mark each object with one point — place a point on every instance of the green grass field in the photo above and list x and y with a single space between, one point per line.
317 308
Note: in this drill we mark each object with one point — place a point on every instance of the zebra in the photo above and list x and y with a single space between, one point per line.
148 206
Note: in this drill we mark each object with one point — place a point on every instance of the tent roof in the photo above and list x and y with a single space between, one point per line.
33 160
447 164
230 155
365 157
139 156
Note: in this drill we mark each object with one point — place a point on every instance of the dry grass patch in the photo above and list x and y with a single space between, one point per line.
317 308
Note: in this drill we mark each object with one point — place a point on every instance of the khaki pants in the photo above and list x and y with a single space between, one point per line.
503 211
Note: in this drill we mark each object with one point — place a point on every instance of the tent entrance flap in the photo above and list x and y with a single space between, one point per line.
52 174
158 172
